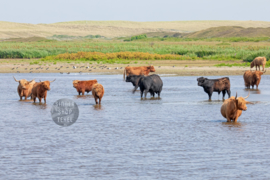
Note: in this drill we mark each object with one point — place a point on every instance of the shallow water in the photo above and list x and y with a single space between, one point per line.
180 136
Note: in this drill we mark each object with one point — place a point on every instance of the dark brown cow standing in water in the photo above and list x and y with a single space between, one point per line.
252 78
142 70
98 92
24 88
215 85
40 90
84 86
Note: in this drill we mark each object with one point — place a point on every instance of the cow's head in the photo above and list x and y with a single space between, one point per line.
46 84
241 102
131 78
201 81
257 74
75 83
151 68
24 83
252 64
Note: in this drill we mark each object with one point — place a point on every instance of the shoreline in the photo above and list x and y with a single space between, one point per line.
170 67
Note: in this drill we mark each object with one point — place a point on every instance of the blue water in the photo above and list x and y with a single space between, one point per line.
180 136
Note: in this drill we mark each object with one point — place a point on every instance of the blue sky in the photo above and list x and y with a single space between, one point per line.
50 11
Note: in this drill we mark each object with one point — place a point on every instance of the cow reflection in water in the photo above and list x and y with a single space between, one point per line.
232 124
98 107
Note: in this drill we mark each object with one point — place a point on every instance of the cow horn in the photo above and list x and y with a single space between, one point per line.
247 95
52 81
15 79
32 80
236 96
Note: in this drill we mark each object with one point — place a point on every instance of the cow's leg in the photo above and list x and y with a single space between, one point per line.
159 94
210 95
96 99
39 98
99 101
229 93
34 98
83 92
223 94
141 93
145 92
259 68
236 118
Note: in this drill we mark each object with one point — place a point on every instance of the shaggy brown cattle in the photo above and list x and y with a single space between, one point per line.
258 61
252 78
40 90
142 70
232 108
24 88
98 92
75 83
84 86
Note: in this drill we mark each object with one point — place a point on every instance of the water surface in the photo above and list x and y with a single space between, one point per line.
180 136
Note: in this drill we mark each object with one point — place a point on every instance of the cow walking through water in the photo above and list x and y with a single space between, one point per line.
232 108
134 79
215 85
40 90
142 70
98 92
25 88
152 84
252 78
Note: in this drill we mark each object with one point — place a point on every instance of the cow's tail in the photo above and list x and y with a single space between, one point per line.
124 75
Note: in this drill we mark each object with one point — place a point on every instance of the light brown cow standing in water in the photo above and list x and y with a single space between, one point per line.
24 88
232 108
252 78
142 70
98 92
258 61
40 90
84 86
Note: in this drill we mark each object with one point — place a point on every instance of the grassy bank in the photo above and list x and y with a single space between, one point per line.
245 64
189 50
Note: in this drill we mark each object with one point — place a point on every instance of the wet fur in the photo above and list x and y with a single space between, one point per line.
97 92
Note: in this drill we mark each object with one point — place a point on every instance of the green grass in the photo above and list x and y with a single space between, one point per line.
245 64
222 51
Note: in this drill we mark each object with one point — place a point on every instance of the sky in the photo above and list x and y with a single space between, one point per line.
51 11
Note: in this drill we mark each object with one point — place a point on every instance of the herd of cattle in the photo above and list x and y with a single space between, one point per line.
231 108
